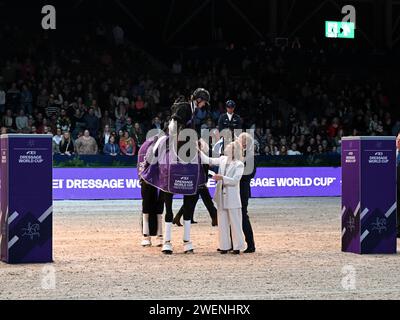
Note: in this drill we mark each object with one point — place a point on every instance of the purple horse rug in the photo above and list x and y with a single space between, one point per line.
155 167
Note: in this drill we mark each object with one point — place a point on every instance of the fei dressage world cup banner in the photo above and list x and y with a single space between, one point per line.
369 195
26 198
123 183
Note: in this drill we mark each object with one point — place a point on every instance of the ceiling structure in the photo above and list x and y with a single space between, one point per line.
203 22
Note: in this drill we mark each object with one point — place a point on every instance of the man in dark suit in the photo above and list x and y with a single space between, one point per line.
247 143
229 120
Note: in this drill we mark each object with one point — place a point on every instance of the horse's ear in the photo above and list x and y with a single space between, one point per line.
180 99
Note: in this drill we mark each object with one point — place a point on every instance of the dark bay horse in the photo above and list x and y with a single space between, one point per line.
163 173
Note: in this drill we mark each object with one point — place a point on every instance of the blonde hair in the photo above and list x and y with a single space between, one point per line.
236 150
249 140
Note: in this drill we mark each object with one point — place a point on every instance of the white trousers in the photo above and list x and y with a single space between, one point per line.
230 220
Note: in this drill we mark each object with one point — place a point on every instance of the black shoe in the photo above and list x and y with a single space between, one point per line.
177 221
235 251
223 251
250 250
219 250
194 222
214 221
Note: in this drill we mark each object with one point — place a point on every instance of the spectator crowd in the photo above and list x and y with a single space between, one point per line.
101 99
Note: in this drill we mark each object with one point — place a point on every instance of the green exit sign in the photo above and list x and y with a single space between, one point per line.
338 29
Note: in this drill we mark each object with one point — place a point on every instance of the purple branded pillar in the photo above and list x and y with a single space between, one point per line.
26 198
369 194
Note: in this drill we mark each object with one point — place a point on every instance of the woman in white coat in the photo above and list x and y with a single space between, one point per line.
227 197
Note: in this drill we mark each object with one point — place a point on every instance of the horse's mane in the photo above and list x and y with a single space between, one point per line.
181 111
181 98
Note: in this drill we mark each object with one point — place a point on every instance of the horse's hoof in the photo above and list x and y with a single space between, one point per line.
187 247
146 242
167 248
159 241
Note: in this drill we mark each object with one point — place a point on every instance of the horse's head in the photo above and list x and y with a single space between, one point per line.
182 113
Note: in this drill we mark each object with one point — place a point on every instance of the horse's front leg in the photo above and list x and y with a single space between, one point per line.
169 216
